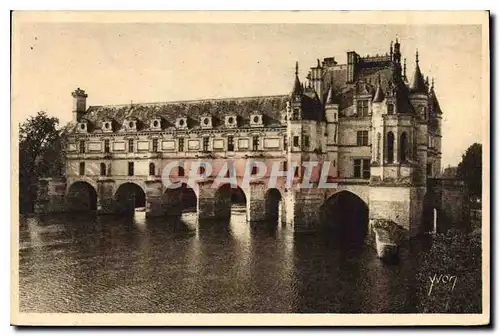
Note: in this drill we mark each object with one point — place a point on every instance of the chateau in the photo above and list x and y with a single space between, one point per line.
379 127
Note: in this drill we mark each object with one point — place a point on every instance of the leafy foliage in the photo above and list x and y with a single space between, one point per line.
470 169
41 154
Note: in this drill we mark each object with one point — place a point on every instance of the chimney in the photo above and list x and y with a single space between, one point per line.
317 79
352 60
79 104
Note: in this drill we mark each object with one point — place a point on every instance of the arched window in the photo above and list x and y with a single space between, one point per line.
390 147
403 147
152 169
103 169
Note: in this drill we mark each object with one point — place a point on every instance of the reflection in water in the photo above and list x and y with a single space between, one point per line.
84 263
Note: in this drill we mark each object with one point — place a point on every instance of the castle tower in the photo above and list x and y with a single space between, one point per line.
306 144
419 101
435 134
332 125
397 185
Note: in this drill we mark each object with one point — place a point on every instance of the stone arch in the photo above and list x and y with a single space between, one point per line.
345 216
129 196
175 201
273 204
81 196
225 196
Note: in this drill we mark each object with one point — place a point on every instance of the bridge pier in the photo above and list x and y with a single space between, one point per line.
302 209
154 198
211 203
256 202
106 203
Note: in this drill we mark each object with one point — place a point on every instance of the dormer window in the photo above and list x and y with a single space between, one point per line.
82 126
362 107
107 126
181 123
231 121
256 120
155 124
131 125
206 122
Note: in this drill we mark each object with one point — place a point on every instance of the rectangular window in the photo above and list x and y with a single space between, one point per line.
296 141
362 138
254 169
284 166
130 169
390 108
230 143
255 143
357 168
429 169
362 168
362 107
82 146
82 168
181 144
131 145
155 145
306 141
180 171
205 144
106 146
366 168
284 142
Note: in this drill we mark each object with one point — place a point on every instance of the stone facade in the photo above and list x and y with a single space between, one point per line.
380 133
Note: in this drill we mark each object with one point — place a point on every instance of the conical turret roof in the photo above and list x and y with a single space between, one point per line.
297 86
418 83
379 93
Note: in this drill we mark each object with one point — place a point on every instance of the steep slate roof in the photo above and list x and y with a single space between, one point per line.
418 82
271 107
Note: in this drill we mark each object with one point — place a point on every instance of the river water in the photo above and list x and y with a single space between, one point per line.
83 263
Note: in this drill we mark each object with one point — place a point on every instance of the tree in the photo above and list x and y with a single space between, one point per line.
470 169
41 146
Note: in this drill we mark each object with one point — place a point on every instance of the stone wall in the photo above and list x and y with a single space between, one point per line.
401 205
449 197
51 195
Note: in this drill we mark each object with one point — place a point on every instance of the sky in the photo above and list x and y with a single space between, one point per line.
120 63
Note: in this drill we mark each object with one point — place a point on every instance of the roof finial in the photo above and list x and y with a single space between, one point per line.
318 63
296 68
432 85
391 49
416 57
404 67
